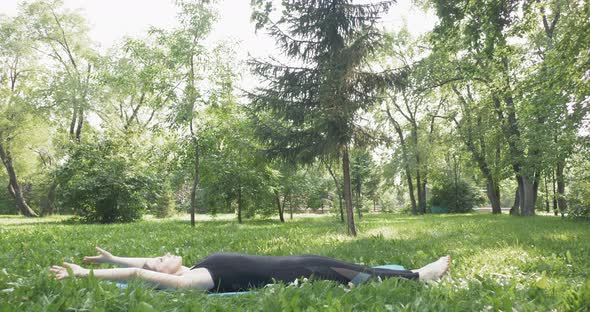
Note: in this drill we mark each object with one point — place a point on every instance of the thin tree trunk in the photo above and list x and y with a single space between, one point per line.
423 190
195 140
21 203
546 196
195 185
80 123
421 194
554 193
339 190
290 208
341 208
411 190
278 199
515 207
358 202
493 192
561 201
400 134
73 121
421 204
240 204
347 191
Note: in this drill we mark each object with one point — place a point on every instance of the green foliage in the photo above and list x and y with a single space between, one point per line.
579 195
308 111
458 196
165 204
104 182
492 267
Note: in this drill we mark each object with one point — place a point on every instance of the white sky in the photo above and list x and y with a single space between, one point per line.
111 20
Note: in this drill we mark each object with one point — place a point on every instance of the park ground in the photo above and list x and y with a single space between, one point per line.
499 263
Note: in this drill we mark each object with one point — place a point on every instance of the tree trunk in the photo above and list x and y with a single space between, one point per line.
546 196
240 204
21 203
10 190
290 208
527 196
515 207
341 208
339 190
278 199
347 191
195 185
411 190
561 201
421 194
554 193
402 140
493 192
421 199
358 202
73 121
80 123
423 190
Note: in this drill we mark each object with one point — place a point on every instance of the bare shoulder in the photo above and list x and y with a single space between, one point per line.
199 278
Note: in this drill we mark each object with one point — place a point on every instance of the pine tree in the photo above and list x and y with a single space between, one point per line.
307 111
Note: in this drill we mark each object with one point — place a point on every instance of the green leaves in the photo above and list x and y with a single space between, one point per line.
106 181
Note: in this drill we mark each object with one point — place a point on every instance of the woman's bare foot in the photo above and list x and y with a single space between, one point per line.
435 270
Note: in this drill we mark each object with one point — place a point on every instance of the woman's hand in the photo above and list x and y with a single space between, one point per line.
62 272
105 257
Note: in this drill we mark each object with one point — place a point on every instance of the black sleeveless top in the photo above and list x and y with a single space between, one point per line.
236 272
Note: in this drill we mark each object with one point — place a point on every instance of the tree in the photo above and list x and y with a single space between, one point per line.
17 77
480 41
62 37
190 60
411 108
315 101
137 83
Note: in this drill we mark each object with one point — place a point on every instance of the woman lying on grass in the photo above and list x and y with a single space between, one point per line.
226 272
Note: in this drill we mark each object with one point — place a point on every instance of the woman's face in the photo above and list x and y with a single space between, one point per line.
165 264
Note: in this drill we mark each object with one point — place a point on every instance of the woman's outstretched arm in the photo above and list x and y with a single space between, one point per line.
195 279
107 257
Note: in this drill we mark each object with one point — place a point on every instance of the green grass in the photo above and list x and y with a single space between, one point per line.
499 263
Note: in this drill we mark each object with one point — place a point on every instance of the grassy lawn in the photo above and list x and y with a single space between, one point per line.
499 263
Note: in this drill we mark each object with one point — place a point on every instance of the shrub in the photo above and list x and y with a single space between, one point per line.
579 204
459 196
103 183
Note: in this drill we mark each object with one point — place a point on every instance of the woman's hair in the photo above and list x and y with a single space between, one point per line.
145 266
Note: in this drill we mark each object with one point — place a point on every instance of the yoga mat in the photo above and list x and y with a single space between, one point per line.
387 266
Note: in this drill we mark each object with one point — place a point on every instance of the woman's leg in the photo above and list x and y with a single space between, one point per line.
344 272
233 271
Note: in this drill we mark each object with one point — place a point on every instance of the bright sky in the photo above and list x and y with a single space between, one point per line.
111 20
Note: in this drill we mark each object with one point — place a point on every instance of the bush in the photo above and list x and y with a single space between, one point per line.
103 183
459 196
579 203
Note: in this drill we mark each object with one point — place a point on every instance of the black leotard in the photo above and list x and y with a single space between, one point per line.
235 271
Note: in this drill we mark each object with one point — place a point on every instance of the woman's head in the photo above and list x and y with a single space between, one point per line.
165 264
